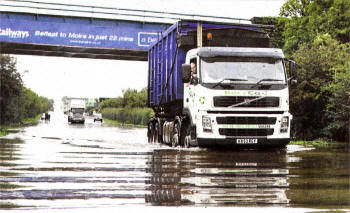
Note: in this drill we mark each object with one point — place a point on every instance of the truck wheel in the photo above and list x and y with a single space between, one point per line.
187 135
156 132
187 141
176 135
150 132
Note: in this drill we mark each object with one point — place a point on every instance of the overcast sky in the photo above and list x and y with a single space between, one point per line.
55 77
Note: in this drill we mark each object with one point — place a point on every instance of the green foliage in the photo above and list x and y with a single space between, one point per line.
31 121
275 33
317 142
294 8
131 99
138 116
17 102
317 35
10 89
310 18
3 132
320 103
32 104
112 102
129 109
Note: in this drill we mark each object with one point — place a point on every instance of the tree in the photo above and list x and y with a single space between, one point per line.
294 8
309 18
275 33
16 101
112 102
320 103
133 98
10 89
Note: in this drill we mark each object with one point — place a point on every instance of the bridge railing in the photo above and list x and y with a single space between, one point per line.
152 16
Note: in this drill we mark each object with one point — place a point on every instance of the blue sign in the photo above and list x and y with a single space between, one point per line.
121 35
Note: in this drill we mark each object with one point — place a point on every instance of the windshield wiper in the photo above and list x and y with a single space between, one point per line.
229 79
265 79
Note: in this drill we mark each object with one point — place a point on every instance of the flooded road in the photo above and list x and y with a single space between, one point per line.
58 165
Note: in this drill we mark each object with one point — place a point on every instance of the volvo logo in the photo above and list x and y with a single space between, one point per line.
246 101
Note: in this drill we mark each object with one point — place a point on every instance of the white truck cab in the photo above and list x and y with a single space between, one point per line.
241 97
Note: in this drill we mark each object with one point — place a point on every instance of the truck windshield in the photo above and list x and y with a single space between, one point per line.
77 110
250 70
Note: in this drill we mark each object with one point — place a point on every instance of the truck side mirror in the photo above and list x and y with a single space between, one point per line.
292 71
185 73
292 67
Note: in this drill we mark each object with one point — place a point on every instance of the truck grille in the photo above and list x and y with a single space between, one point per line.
226 101
78 115
246 120
246 132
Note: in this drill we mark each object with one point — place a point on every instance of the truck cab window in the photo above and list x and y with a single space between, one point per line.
250 70
194 71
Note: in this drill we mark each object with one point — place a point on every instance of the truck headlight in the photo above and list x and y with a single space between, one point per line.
206 123
284 124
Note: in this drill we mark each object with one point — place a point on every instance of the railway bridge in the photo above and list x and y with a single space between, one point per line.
69 30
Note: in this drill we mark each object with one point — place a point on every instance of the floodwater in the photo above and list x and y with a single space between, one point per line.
56 165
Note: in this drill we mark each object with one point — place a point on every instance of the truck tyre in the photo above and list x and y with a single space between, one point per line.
156 133
187 140
150 132
175 140
186 135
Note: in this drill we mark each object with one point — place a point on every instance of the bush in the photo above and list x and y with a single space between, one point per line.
111 103
17 102
137 116
320 103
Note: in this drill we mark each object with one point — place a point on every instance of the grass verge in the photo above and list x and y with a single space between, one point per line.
3 131
13 128
118 123
31 121
316 143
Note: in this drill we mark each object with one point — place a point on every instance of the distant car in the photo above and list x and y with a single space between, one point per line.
45 116
98 117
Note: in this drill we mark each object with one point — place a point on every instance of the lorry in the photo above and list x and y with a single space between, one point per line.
238 97
76 109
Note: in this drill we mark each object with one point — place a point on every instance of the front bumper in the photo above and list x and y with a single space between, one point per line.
244 129
232 142
78 119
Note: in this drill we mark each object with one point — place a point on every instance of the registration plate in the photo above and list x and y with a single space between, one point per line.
247 141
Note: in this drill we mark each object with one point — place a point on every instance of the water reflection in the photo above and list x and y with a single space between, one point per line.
8 157
217 178
321 178
107 166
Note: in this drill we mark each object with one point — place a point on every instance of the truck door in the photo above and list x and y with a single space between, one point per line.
189 90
